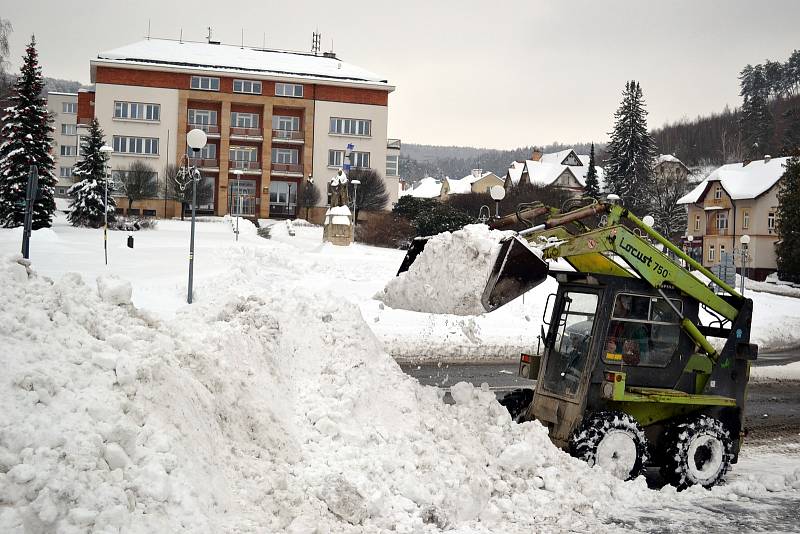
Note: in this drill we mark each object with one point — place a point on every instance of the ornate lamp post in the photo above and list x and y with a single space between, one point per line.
196 139
238 201
107 150
745 242
497 193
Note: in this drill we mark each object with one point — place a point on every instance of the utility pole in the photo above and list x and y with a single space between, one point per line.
30 197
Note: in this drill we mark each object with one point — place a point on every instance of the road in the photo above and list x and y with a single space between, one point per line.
772 410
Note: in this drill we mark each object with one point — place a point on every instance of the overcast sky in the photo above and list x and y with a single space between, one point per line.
493 74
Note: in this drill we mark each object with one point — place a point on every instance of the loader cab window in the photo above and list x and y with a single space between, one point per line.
643 331
571 337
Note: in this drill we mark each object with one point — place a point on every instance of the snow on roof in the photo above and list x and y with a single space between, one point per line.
61 94
514 172
459 187
668 157
544 174
426 188
556 157
741 181
231 58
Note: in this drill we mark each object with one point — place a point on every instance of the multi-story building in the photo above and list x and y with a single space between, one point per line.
735 200
63 107
273 118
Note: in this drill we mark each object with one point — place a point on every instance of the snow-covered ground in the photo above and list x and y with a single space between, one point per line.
272 405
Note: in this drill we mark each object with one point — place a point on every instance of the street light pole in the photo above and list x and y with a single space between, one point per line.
196 139
238 203
745 242
105 150
355 183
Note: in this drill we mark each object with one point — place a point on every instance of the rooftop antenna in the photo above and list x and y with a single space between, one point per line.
315 40
208 38
148 29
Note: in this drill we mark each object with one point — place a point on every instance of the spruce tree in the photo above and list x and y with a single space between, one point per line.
788 222
27 141
791 135
756 118
631 151
88 195
592 188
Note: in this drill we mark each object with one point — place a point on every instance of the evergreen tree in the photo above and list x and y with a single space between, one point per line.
756 118
788 222
27 141
592 188
88 195
791 135
631 151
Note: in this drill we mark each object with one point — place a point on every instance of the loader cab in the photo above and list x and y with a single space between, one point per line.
597 324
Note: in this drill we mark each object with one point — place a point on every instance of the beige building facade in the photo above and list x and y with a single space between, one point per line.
63 107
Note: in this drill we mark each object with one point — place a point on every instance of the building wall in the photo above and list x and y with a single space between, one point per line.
487 182
166 129
375 144
55 103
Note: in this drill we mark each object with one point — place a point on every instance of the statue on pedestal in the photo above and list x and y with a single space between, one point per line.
339 194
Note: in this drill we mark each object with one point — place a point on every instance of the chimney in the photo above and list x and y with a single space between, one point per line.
767 157
476 173
537 154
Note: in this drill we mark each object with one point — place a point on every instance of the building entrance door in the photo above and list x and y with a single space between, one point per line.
282 199
242 197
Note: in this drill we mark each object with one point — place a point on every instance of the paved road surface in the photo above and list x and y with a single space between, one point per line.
772 410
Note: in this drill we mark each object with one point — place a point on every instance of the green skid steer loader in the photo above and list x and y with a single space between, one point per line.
626 377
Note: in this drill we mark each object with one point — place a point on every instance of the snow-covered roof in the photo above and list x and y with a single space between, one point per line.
556 157
224 58
459 187
426 188
515 172
544 174
741 181
667 157
61 94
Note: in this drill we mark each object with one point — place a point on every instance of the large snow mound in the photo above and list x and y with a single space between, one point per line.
450 274
258 409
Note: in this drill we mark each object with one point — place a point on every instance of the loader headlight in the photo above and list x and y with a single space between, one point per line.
608 390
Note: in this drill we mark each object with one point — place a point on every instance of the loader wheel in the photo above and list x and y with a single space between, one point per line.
696 451
612 440
517 402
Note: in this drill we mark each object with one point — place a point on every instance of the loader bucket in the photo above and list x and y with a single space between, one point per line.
416 248
517 270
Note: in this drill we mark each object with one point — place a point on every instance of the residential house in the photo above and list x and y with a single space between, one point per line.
273 118
564 169
428 187
669 166
63 107
477 181
734 200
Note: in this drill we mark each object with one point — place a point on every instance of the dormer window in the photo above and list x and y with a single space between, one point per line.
718 192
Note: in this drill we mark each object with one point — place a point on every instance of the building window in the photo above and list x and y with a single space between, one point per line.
247 86
136 145
65 172
205 83
392 165
149 213
711 253
360 127
69 129
285 155
69 150
282 122
244 120
697 222
771 222
137 111
69 107
722 252
243 153
718 192
722 221
207 152
61 191
203 116
358 160
289 89
746 219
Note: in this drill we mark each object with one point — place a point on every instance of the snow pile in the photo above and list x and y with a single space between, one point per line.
114 290
450 274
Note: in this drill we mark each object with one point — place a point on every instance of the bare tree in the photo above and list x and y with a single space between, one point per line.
663 193
371 192
5 79
308 196
139 182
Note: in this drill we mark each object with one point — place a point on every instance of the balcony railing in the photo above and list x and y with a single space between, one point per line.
245 165
201 162
288 135
245 132
211 129
711 230
287 167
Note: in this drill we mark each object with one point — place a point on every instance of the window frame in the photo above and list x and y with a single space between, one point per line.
745 219
697 222
68 150
136 145
73 129
243 149
70 108
712 253
192 113
293 154
718 192
242 84
722 220
236 115
280 89
396 166
137 111
200 79
350 127
278 119
771 221
62 174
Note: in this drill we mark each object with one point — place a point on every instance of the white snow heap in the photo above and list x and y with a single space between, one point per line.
428 187
450 274
338 215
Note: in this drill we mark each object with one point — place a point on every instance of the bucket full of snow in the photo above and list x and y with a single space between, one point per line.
466 272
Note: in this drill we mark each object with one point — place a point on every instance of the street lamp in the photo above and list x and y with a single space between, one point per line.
238 173
355 183
497 193
106 150
196 139
745 242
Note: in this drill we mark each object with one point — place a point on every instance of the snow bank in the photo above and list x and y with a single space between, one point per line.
114 290
450 274
790 371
